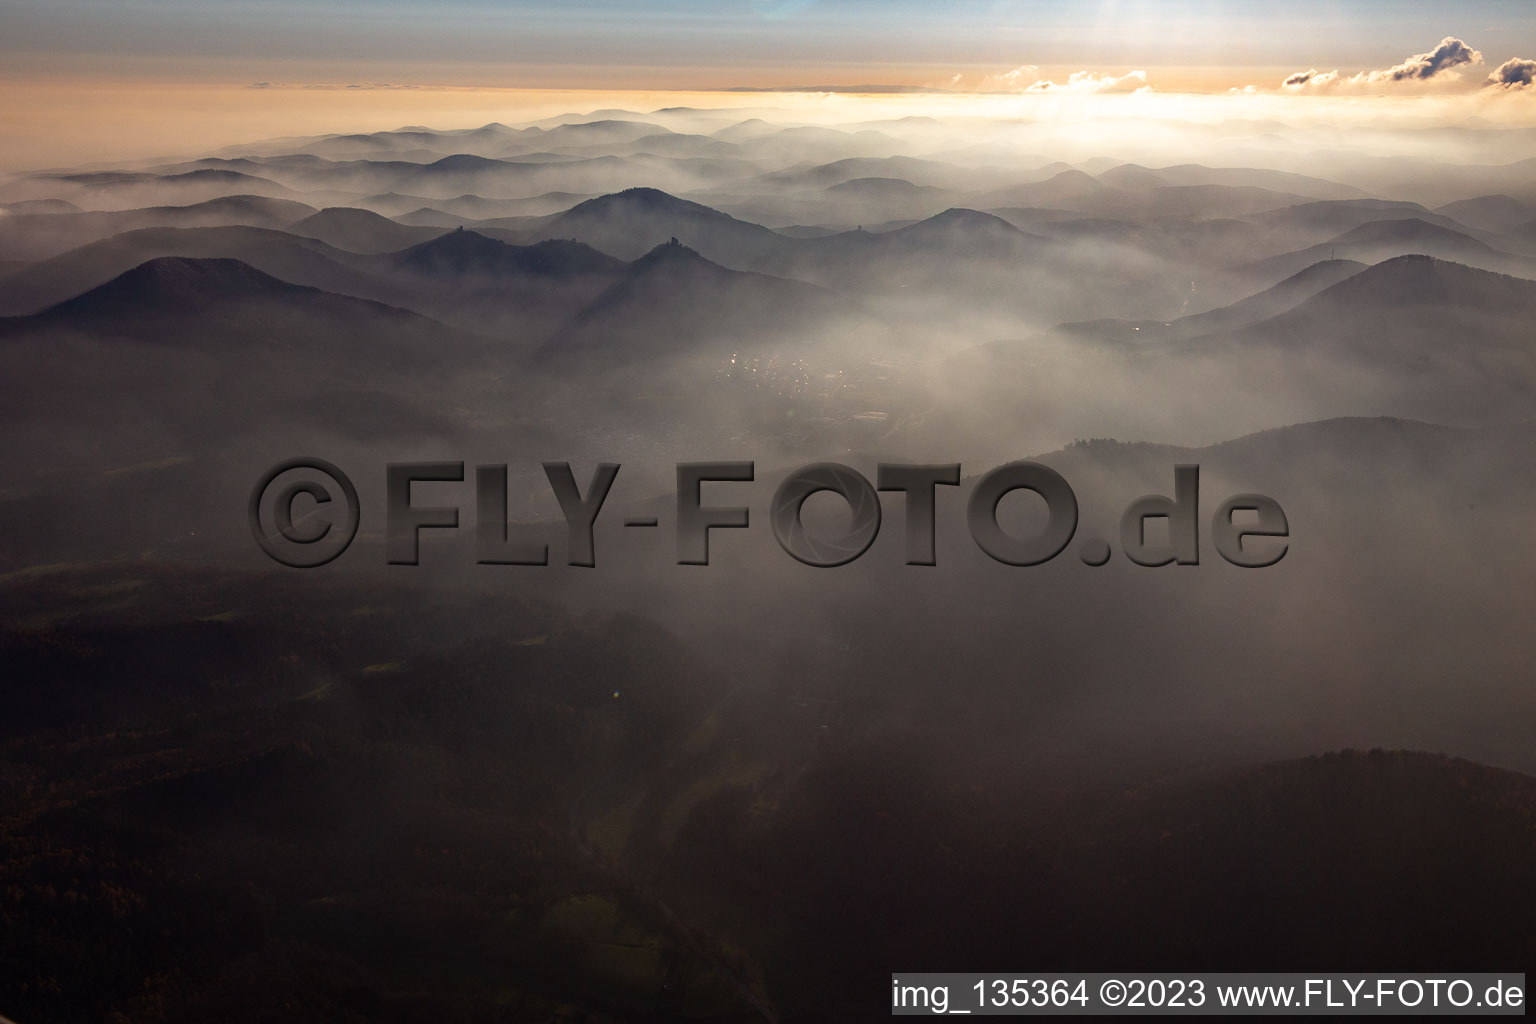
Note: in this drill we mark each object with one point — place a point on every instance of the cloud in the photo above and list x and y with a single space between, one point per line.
1439 63
1313 77
1451 53
1517 73
1087 81
1026 79
1015 80
1021 75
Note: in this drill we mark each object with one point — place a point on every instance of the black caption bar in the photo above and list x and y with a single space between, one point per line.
952 995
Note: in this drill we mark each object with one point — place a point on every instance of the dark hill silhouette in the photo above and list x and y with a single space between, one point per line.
474 207
134 189
355 176
418 145
608 130
1269 303
490 130
913 169
513 177
43 234
953 247
360 231
1261 306
102 177
1135 177
1412 230
182 355
861 201
1423 837
520 293
40 206
959 231
1205 200
277 211
233 179
1386 444
1368 860
674 302
1524 234
181 301
430 217
298 260
459 162
1070 188
674 144
1307 224
1326 214
1382 239
1430 339
469 254
1132 177
631 223
1489 213
879 188
751 128
1447 342
172 283
1413 312
1419 281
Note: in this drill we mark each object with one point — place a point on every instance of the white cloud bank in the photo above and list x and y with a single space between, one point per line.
1439 64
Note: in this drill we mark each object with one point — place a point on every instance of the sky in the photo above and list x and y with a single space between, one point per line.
708 44
78 76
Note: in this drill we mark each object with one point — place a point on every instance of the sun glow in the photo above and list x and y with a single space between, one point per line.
71 122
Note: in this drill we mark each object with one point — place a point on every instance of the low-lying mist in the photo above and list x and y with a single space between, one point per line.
1327 304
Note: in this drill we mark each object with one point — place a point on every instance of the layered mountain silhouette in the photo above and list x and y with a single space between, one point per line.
35 234
879 189
460 255
1255 308
972 260
1402 296
1135 177
1307 224
180 356
519 293
277 253
360 231
909 169
631 223
236 791
867 259
1382 239
122 190
1489 213
1070 189
673 302
182 302
170 285
1450 342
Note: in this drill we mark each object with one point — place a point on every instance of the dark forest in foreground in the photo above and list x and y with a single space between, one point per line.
475 829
